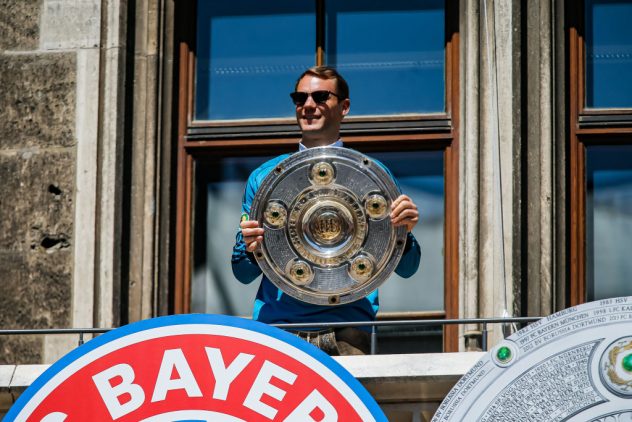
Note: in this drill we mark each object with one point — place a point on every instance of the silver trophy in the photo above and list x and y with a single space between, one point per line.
328 235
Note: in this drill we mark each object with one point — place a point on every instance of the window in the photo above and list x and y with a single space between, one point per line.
608 221
399 43
248 55
392 42
220 187
238 64
608 54
420 175
600 76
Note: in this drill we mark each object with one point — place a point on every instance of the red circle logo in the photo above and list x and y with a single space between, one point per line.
196 368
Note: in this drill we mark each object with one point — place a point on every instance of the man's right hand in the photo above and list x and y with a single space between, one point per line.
252 233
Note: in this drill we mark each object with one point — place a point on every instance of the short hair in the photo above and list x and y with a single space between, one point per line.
327 72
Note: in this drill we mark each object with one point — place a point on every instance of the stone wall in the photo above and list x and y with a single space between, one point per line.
86 110
37 170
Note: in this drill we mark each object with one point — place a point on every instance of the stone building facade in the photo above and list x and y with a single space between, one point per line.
38 154
69 73
89 159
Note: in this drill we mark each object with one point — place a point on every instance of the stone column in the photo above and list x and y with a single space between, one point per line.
558 118
501 122
491 135
469 171
151 125
540 166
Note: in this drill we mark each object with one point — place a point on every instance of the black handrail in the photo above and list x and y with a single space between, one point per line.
325 325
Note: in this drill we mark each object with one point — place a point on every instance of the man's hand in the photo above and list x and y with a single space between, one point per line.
404 212
252 233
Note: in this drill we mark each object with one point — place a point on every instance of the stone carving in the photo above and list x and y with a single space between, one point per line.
575 365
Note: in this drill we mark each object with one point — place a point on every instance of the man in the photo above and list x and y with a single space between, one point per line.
321 97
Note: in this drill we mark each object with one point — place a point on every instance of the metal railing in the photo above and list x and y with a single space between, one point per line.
484 322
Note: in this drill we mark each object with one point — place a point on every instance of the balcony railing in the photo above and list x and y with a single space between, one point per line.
484 323
421 384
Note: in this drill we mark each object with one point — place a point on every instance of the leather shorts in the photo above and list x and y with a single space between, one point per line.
338 342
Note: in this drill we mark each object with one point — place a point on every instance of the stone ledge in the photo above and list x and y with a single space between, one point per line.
410 378
389 378
14 379
6 374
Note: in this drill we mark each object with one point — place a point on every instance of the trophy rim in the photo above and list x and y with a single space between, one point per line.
385 266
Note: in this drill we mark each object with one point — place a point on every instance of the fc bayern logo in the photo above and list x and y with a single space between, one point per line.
196 368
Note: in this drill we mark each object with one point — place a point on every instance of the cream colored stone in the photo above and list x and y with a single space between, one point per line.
87 122
412 377
56 346
70 24
6 399
24 376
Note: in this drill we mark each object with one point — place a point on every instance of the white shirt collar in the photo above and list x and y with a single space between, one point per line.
338 143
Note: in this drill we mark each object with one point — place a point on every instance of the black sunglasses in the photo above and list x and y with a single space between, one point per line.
319 97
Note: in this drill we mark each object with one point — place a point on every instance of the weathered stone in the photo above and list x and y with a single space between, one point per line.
20 350
37 105
71 24
34 293
35 290
35 254
24 376
6 399
19 24
57 346
36 210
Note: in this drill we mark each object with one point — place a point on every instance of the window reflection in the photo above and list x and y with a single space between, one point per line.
249 54
608 53
420 176
391 53
219 190
608 221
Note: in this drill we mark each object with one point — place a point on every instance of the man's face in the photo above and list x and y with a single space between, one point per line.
320 121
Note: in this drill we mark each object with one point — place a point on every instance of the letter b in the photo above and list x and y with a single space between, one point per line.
110 394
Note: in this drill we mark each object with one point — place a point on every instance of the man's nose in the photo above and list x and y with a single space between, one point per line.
310 102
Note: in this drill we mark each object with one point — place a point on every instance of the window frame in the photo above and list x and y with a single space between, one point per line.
587 127
391 124
196 139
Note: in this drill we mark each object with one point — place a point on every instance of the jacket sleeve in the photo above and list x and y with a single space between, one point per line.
245 267
409 263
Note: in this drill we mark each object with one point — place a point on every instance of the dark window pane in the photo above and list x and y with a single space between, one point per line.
391 52
219 191
608 221
249 54
608 54
420 176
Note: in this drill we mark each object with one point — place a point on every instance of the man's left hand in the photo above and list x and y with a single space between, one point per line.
404 212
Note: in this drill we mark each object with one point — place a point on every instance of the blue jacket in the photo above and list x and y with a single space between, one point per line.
273 306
